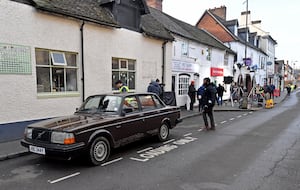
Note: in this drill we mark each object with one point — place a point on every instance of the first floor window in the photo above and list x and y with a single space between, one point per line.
124 70
56 71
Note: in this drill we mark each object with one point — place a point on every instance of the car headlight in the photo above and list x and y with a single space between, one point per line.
28 133
62 138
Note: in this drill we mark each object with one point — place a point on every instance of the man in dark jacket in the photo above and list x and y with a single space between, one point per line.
154 88
220 91
192 94
209 97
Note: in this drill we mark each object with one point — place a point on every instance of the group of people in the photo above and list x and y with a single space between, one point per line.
154 87
207 94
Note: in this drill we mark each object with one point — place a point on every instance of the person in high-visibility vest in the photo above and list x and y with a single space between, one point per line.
122 88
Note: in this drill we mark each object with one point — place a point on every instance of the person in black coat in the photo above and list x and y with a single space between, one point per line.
192 94
209 98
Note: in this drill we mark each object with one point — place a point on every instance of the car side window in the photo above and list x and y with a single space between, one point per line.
147 102
130 104
158 102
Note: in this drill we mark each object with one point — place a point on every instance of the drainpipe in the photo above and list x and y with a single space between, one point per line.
82 61
163 62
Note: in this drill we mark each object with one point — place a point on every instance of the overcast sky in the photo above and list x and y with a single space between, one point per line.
281 18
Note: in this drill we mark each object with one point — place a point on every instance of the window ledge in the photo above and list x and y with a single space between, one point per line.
46 95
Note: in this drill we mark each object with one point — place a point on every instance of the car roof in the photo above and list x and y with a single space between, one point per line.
124 94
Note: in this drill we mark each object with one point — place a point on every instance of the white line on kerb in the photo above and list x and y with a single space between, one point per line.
189 134
112 161
169 141
144 150
232 119
64 178
223 122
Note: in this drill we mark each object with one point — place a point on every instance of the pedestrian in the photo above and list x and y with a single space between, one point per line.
209 98
154 88
200 93
121 87
288 88
220 92
272 89
192 94
162 89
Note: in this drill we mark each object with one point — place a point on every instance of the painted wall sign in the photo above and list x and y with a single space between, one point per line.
183 66
15 59
152 153
216 72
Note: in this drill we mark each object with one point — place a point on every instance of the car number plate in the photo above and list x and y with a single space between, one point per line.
37 150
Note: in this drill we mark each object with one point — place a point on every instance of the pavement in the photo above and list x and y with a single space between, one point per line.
11 147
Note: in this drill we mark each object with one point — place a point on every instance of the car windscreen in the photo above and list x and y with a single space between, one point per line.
101 104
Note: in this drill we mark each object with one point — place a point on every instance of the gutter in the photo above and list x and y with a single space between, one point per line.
163 61
82 60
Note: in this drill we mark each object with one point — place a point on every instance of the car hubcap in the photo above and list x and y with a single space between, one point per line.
100 151
164 131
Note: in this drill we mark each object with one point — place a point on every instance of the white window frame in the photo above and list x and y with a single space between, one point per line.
58 63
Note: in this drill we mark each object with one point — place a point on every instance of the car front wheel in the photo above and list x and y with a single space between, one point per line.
99 151
163 132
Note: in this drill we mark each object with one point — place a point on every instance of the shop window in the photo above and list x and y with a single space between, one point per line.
124 70
56 71
183 85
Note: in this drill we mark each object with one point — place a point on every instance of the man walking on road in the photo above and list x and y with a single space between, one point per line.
220 91
209 98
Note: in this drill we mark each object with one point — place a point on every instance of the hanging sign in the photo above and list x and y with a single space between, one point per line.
216 72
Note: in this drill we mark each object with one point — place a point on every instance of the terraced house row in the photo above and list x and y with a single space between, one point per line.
53 53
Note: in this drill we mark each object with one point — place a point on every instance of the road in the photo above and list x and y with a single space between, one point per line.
248 151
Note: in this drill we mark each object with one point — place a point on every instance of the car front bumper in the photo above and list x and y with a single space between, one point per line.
57 150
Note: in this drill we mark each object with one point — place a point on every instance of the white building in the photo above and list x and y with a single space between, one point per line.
54 55
195 55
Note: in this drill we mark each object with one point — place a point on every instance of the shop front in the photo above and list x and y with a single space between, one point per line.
183 72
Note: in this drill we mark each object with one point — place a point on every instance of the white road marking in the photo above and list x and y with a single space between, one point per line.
189 134
231 119
223 122
239 116
64 178
200 129
251 112
169 141
112 161
144 150
245 114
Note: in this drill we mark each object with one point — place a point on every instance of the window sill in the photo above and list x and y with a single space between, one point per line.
46 95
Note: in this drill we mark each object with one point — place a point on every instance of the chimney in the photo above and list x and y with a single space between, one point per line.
157 4
219 11
242 20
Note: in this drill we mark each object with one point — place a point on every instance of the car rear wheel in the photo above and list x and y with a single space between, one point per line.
99 151
163 132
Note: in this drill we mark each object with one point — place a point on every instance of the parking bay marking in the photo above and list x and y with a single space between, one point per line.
223 122
64 178
189 134
144 150
112 161
239 116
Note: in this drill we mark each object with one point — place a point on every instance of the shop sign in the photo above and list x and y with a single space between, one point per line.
247 61
216 72
183 66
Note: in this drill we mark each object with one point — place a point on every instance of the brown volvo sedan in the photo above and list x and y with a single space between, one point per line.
102 122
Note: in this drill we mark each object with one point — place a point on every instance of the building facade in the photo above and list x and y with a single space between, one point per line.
52 59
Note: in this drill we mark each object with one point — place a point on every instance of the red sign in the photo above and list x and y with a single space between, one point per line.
216 72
